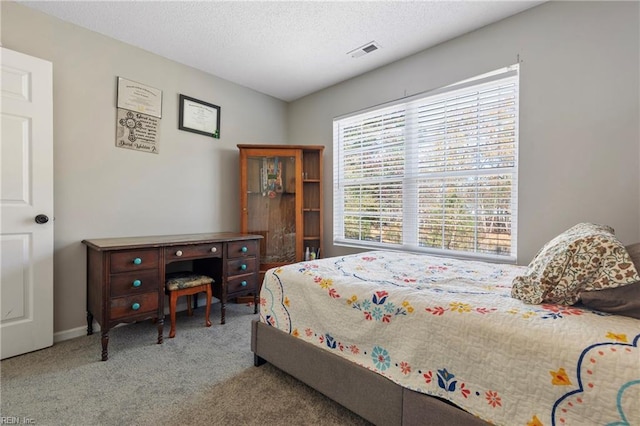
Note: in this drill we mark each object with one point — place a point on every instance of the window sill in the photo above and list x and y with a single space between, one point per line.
482 257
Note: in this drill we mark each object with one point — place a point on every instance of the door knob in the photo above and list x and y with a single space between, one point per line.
42 218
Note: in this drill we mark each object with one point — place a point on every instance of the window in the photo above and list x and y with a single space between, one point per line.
435 172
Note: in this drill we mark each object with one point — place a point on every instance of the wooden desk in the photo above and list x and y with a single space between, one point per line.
126 276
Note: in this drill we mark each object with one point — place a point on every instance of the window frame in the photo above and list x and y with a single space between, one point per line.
410 209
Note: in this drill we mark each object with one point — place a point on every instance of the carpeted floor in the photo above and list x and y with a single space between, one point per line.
263 396
204 376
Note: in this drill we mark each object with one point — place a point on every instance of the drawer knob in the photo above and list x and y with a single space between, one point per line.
179 253
214 249
243 249
243 283
137 261
137 283
243 267
135 306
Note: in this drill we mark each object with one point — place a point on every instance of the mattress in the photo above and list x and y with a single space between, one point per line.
450 328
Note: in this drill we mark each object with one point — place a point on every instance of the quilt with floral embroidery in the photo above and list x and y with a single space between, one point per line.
449 328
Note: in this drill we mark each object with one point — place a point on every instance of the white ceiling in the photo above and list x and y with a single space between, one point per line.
286 49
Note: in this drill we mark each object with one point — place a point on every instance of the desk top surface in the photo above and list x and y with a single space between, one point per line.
165 240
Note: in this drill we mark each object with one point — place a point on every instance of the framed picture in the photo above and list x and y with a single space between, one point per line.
139 97
199 117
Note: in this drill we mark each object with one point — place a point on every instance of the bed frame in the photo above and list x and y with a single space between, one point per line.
366 393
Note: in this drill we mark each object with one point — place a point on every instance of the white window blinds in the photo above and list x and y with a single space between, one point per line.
436 172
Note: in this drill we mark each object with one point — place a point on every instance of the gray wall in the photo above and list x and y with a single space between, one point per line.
102 191
579 153
579 129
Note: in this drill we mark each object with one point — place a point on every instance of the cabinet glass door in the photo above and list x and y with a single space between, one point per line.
272 204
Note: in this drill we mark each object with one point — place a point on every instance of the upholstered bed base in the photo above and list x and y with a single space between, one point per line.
370 395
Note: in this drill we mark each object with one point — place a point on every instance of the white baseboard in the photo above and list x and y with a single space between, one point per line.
72 333
69 334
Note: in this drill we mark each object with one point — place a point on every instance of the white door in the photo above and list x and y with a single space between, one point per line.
26 193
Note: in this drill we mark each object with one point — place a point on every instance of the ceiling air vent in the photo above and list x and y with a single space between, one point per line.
363 50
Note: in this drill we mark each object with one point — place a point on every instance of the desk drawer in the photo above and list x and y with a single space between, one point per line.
124 306
237 249
241 266
135 283
242 283
134 260
199 251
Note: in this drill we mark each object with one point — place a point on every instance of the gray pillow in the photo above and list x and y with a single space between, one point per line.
623 300
634 253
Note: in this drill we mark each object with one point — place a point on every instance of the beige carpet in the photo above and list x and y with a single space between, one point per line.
263 396
204 376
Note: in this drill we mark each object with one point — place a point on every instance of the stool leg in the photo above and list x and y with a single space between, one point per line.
189 309
207 310
173 300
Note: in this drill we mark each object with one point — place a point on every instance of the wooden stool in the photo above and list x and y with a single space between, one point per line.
186 284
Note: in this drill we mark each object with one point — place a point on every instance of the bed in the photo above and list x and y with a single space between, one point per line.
404 339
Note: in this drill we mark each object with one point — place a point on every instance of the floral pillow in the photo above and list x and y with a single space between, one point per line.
585 257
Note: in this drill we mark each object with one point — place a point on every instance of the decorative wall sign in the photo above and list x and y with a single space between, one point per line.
139 110
199 117
139 97
137 131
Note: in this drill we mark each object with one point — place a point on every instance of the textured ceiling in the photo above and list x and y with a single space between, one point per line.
286 49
